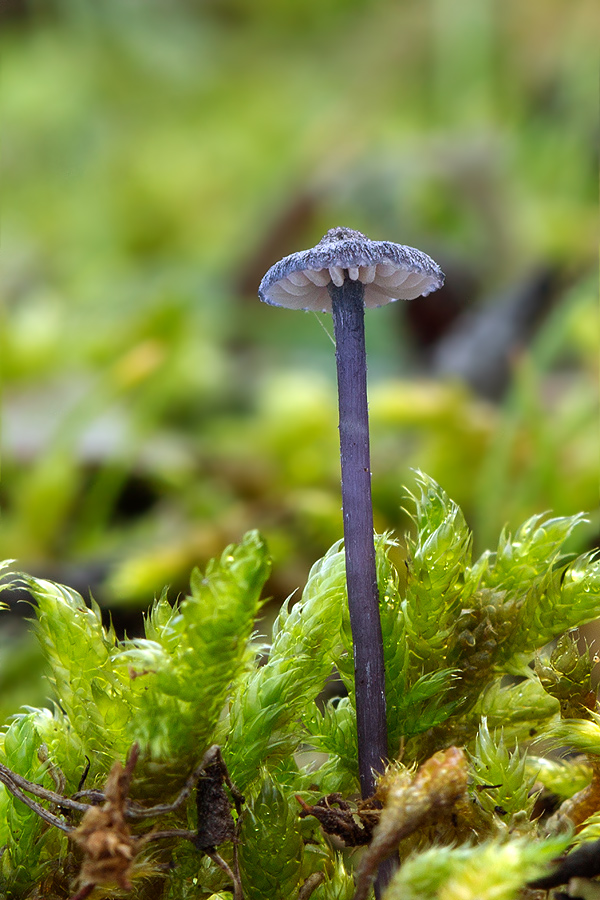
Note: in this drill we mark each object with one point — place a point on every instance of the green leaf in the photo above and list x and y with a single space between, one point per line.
528 556
338 883
580 734
494 870
422 705
5 565
271 846
266 708
438 557
182 673
544 597
560 777
30 847
506 794
521 708
89 689
333 731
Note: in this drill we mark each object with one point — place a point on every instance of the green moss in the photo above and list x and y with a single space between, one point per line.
463 648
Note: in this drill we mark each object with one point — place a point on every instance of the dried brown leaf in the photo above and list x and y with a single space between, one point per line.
337 817
103 834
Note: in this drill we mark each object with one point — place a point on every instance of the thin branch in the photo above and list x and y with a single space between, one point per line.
161 809
16 784
233 874
58 777
92 794
361 571
14 781
236 838
133 811
36 807
169 833
311 884
237 887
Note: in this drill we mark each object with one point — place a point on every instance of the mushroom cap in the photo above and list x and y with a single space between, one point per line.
388 271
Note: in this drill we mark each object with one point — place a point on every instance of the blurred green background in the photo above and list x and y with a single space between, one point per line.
158 157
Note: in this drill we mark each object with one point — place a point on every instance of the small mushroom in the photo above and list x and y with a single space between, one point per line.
387 272
341 275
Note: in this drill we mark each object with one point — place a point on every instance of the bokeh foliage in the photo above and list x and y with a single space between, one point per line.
153 410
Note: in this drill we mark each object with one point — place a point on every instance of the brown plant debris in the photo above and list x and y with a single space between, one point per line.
215 822
104 835
583 862
310 885
339 818
410 804
109 847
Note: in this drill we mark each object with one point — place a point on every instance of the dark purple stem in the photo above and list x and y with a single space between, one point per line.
361 575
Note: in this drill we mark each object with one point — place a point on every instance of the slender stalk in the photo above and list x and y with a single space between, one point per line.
361 575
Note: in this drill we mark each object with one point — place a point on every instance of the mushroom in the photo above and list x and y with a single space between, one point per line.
341 275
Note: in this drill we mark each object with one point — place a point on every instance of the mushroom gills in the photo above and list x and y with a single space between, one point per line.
297 290
301 298
404 285
298 278
337 275
392 279
377 296
367 274
320 277
424 286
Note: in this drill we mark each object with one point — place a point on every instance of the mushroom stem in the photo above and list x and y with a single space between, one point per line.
361 575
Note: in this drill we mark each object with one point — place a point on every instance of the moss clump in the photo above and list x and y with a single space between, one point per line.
465 666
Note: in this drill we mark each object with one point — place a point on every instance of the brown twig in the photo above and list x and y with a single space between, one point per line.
162 835
311 884
336 816
12 781
109 847
16 784
237 886
41 811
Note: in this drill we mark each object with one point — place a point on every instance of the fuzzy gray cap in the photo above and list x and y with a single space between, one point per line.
388 271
